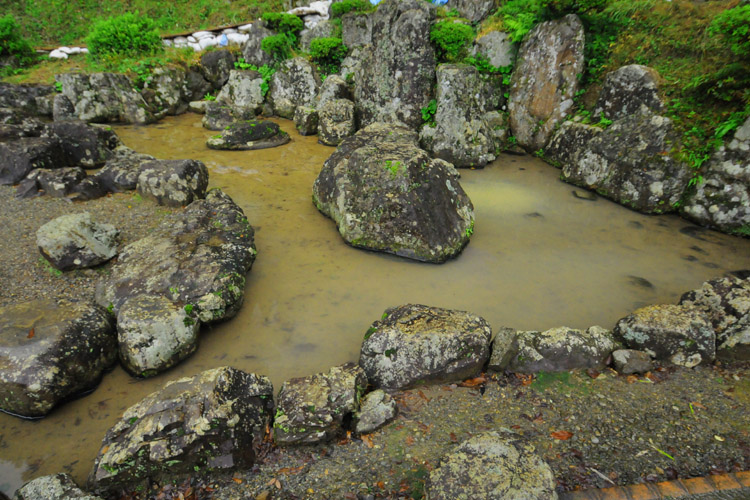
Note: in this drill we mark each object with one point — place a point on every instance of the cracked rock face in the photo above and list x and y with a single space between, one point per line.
313 409
387 194
213 421
545 80
51 350
174 183
495 465
680 334
415 344
76 241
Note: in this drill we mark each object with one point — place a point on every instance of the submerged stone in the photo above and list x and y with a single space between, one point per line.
249 135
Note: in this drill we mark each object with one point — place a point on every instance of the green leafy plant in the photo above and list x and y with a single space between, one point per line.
266 72
278 46
128 34
283 22
209 97
451 39
328 53
428 113
12 44
734 25
340 8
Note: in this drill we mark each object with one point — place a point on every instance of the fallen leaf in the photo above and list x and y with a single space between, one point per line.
453 437
562 435
409 440
380 484
291 470
31 334
631 379
421 395
473 382
718 438
538 420
367 439
592 373
696 404
237 480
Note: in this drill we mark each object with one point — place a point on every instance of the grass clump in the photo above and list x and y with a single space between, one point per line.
734 25
12 44
125 35
283 22
328 53
451 39
340 8
279 46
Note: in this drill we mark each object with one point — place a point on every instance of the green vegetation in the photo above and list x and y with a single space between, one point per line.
12 43
428 113
341 8
328 53
452 39
266 72
279 46
283 23
734 25
127 35
49 267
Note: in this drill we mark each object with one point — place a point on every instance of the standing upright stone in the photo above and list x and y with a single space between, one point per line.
397 73
545 80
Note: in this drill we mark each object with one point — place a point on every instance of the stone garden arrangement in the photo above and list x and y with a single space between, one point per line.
391 185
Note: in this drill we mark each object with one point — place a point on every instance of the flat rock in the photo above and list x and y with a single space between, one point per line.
76 241
219 116
50 351
174 183
53 487
416 344
377 409
214 421
249 135
387 194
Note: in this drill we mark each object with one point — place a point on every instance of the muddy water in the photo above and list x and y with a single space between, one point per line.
541 256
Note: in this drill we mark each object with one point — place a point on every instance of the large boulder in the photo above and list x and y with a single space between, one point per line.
199 257
397 74
242 90
216 66
50 351
88 146
252 52
76 241
336 121
460 135
120 173
214 421
726 302
681 334
58 182
722 200
356 29
21 156
496 47
175 183
166 92
387 194
296 83
313 409
495 465
545 80
569 143
53 487
626 89
474 10
555 350
104 98
249 135
416 344
28 99
631 163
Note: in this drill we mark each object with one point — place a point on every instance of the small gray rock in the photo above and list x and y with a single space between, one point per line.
53 487
628 361
377 408
306 120
174 183
336 121
76 241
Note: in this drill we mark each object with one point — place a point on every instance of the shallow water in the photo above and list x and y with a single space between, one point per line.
540 257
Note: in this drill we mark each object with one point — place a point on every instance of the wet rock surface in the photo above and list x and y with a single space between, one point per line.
313 409
494 465
76 241
174 183
249 135
54 487
213 421
386 194
416 344
306 120
51 350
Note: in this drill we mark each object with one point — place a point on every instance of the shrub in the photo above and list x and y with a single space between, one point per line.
734 25
279 46
128 34
451 39
12 44
519 16
283 23
341 8
328 53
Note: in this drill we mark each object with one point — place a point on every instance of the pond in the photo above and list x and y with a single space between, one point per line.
543 254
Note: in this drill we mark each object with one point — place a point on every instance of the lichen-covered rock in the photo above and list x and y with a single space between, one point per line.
681 334
199 256
460 135
500 349
166 92
16 129
87 146
216 66
306 120
497 47
28 99
628 361
356 29
569 142
252 51
214 421
474 10
397 74
242 90
62 108
76 241
334 87
626 89
59 182
387 194
496 465
154 334
104 98
119 174
313 409
415 344
174 183
630 162
324 29
726 302
377 409
336 121
248 135
545 80
23 155
219 116
53 487
295 83
722 200
350 64
555 350
51 350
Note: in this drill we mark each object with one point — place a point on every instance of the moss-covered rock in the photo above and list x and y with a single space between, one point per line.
249 135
